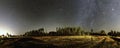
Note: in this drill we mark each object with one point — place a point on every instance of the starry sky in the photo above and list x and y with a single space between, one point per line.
19 16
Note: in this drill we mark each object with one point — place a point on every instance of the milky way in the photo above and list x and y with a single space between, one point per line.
99 15
19 16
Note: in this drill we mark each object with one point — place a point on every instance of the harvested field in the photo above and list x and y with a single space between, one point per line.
60 42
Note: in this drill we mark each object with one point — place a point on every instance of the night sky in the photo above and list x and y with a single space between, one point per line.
19 16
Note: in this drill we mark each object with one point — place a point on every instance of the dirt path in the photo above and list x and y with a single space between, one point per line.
107 42
100 44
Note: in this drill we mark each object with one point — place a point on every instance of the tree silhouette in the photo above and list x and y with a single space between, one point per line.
39 32
68 30
102 32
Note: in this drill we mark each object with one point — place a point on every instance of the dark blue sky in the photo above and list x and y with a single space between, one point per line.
19 16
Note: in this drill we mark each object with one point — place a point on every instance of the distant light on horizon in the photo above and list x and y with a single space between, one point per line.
4 31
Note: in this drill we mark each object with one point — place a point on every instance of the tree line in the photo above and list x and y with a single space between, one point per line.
68 31
114 33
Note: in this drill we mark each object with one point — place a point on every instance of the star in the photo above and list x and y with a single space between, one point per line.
112 9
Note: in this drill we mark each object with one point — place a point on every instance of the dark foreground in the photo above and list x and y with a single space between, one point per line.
60 42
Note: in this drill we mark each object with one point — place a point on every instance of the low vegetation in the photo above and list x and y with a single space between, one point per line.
61 42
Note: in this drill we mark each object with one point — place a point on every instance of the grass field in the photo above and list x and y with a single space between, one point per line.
61 42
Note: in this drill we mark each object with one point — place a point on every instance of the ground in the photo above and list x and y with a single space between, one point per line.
60 42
